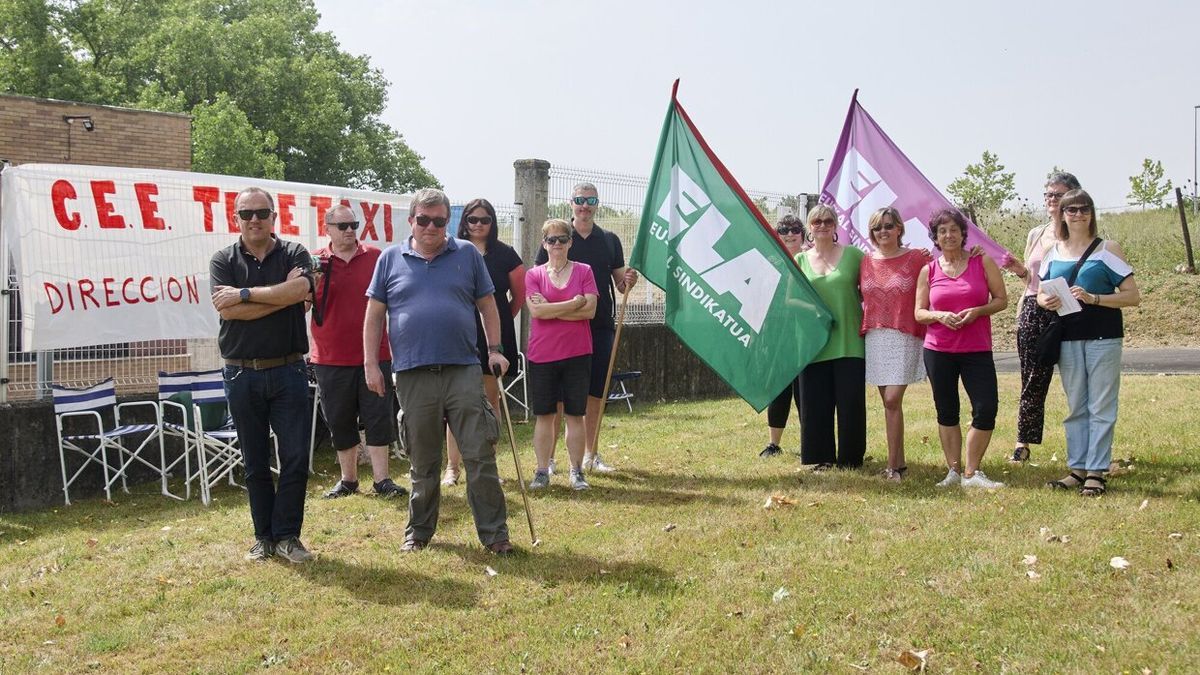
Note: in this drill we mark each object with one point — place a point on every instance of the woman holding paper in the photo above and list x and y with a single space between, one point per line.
791 233
956 296
893 337
833 383
1090 361
1032 319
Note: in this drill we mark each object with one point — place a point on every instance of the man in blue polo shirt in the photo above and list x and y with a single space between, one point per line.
429 289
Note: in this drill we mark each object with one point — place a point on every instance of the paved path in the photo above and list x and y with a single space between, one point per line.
1168 360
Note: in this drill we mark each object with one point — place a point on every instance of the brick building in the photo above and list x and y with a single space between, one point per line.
57 132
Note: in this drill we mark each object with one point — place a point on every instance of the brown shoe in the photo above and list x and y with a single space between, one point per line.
414 546
502 548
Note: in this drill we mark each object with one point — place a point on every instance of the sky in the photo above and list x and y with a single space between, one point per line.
1091 87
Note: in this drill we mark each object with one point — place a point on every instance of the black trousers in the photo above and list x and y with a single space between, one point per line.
781 407
835 387
1035 379
977 371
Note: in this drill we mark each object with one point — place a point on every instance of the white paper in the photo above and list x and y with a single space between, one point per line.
1058 287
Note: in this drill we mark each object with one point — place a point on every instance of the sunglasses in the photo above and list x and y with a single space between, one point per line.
883 226
590 201
1073 210
1054 195
789 229
479 220
249 214
830 222
350 225
426 221
557 239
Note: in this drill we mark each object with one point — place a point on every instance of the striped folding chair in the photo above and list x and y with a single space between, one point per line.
81 409
175 421
217 451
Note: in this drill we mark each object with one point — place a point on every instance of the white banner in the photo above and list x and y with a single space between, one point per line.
109 254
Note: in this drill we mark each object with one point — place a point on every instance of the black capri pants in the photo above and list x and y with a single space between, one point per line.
781 407
977 371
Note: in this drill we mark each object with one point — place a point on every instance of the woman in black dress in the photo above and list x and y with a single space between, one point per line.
478 226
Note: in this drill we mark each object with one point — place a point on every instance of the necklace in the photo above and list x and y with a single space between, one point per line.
560 268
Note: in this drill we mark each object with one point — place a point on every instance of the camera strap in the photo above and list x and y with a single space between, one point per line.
318 310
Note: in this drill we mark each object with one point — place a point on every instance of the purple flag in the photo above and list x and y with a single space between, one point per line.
868 172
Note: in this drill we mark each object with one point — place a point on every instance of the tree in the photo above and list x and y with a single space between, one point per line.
253 72
1147 188
983 186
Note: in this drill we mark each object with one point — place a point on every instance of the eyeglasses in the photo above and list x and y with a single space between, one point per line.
426 221
823 222
349 225
883 226
790 229
1073 210
1054 196
557 239
249 214
479 220
590 201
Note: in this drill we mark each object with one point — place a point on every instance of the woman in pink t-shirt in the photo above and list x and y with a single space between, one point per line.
561 297
956 295
894 338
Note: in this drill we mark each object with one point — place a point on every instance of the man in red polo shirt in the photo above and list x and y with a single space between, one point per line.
337 355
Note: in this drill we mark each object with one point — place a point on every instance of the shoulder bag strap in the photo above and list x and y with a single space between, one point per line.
1079 263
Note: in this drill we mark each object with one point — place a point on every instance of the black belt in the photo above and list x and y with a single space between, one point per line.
263 364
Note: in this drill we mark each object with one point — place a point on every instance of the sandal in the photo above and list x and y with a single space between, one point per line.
1094 486
1020 454
1062 484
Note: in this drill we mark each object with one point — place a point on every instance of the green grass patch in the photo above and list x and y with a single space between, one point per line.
672 564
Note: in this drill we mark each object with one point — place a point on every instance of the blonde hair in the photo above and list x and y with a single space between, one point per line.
559 224
820 212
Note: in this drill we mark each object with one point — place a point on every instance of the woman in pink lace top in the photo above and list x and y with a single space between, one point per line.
894 339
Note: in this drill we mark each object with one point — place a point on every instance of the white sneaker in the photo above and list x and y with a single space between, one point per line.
979 480
952 478
577 481
550 469
594 463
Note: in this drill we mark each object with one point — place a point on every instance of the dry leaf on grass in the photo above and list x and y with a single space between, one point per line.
490 572
669 526
1145 503
798 630
1033 576
91 543
1118 563
777 500
1029 559
914 660
625 641
780 594
1170 565
1175 535
60 621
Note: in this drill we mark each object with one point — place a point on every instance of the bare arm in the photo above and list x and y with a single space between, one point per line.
516 279
372 334
284 294
624 278
1127 294
922 312
491 331
585 312
540 309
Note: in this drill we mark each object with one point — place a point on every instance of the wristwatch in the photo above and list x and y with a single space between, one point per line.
245 294
493 349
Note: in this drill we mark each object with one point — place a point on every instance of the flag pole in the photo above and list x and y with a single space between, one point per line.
612 359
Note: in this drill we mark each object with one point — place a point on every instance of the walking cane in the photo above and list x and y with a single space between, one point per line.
512 440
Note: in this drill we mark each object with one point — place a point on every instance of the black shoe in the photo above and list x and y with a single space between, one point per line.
343 488
388 489
770 451
1020 455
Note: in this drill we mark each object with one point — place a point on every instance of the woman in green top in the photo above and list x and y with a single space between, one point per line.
835 382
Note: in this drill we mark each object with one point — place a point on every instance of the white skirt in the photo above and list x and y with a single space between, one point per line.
894 357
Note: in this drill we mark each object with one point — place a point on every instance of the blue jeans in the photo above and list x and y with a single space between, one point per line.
259 401
1091 376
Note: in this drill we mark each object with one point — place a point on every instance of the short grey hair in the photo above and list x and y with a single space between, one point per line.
585 187
428 197
335 209
256 190
1063 178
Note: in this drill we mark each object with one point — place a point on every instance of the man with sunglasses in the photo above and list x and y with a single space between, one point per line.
602 251
259 284
429 289
337 357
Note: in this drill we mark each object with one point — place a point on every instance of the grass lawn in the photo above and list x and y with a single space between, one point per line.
671 564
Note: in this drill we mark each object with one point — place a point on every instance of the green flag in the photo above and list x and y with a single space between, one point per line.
734 295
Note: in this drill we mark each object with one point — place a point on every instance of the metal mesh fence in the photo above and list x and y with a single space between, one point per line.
621 199
133 365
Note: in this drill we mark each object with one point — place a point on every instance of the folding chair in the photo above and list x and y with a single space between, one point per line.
217 450
517 389
86 404
175 413
617 390
312 429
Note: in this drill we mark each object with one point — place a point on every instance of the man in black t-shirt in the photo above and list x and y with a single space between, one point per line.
259 284
602 251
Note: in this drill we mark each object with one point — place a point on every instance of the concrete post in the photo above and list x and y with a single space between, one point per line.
532 189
